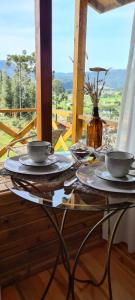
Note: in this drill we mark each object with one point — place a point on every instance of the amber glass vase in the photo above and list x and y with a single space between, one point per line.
94 130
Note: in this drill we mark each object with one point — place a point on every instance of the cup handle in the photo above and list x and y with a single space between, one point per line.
51 150
132 168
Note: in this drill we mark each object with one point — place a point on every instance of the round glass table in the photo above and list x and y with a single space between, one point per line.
73 196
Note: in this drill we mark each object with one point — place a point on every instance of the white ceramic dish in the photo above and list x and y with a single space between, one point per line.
81 150
86 176
64 163
27 161
104 174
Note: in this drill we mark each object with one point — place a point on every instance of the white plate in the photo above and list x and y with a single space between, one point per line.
64 162
104 174
27 161
86 176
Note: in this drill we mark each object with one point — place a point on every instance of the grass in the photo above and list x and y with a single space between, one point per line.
4 140
109 109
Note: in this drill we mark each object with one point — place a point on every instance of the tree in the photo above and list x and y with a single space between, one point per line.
58 91
5 90
57 87
23 79
23 61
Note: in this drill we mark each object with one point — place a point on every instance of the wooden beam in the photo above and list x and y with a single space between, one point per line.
19 135
43 11
7 130
104 6
79 66
16 110
96 5
124 2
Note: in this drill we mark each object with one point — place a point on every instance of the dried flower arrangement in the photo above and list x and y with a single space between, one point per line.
95 87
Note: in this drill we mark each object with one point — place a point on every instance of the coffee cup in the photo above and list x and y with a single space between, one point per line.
39 151
118 163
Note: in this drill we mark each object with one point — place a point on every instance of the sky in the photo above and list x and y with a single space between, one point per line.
108 34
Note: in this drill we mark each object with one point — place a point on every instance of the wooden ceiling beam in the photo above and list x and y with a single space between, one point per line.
98 6
124 2
118 3
101 7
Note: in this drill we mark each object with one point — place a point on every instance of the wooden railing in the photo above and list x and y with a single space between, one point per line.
61 143
110 123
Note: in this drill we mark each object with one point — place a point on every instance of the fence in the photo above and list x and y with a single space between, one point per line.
17 135
65 123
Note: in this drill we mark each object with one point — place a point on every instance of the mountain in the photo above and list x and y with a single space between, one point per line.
114 80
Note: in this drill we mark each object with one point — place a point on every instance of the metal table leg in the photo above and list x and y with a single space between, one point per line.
111 210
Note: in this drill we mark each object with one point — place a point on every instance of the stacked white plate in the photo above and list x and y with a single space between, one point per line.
99 178
56 163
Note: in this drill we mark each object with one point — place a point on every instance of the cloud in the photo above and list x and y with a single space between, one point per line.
108 35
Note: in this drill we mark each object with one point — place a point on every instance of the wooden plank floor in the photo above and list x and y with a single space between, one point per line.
91 265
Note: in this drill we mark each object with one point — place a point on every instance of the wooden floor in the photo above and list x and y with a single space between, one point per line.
91 265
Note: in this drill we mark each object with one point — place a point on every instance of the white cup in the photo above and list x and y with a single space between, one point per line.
118 163
39 151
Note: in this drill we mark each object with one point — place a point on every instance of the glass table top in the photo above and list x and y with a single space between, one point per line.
72 200
94 199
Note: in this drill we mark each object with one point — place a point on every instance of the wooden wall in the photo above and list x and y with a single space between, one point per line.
28 242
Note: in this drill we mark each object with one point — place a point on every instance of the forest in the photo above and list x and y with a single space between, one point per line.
17 90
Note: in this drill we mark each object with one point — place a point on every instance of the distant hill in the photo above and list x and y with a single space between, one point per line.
115 79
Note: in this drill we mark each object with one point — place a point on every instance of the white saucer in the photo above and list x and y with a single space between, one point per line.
86 176
27 161
63 163
104 174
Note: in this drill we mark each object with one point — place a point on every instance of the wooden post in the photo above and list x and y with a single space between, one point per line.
79 66
43 14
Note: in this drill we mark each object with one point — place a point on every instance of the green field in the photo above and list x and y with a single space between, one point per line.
109 107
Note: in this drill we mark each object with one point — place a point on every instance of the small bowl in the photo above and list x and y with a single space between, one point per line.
81 152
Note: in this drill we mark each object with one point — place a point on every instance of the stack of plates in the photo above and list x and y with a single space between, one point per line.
56 163
100 179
